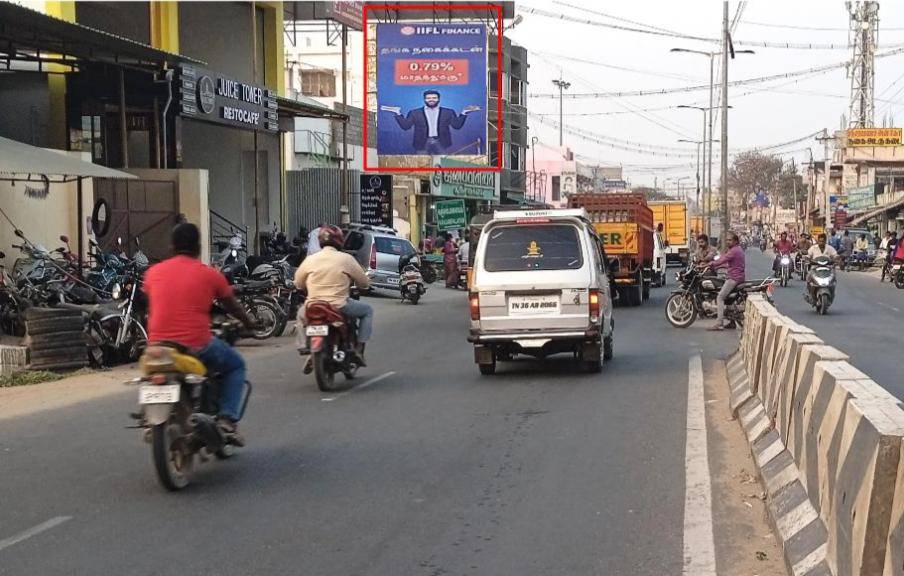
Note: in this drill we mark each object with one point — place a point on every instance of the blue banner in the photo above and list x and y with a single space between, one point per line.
431 89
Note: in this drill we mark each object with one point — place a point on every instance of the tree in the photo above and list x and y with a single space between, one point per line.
753 172
651 193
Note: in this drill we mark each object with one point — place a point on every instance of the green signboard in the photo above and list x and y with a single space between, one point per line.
450 215
464 183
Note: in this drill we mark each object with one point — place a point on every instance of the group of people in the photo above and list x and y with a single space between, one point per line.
734 262
181 292
455 251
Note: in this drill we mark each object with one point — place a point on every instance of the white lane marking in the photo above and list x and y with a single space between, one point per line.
699 549
889 306
33 531
362 386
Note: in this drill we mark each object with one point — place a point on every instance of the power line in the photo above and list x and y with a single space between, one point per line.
614 67
744 82
672 34
810 28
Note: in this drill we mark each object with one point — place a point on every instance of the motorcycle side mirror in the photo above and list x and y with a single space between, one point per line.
137 241
2 254
64 239
19 233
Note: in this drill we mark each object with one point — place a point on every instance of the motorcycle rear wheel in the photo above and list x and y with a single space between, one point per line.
414 298
271 316
323 373
173 466
899 281
822 304
680 310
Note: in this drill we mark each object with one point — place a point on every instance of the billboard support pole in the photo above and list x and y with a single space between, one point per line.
345 213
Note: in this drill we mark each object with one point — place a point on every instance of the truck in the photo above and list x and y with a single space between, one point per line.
624 223
673 216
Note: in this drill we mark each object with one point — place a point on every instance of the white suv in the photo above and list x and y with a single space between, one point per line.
540 287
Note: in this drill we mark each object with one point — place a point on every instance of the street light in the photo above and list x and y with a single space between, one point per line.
709 163
708 185
699 171
563 85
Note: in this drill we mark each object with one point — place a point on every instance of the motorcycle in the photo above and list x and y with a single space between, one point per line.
116 329
696 296
821 283
784 268
178 403
332 343
12 304
411 283
897 273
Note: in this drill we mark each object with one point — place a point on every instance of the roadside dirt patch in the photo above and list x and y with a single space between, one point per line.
745 543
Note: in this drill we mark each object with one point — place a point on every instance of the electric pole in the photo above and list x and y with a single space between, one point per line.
563 85
725 48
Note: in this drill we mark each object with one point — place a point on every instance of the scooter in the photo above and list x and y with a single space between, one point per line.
821 283
411 283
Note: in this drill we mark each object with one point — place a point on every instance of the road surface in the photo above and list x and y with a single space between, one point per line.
865 320
426 468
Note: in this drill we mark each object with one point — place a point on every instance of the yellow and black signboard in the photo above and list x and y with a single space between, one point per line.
865 137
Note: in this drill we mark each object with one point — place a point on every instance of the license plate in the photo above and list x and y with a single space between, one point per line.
320 330
392 281
533 305
168 394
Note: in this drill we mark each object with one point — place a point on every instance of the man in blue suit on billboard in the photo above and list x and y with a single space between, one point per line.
432 124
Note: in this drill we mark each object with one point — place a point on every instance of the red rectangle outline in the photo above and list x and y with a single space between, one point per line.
499 50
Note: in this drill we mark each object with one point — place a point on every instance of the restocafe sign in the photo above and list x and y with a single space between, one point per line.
212 97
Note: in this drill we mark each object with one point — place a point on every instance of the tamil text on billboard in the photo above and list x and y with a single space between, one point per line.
857 137
432 89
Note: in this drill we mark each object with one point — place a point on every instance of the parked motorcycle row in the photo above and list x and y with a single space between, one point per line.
107 291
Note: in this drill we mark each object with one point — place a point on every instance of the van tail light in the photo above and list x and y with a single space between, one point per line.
594 305
373 257
474 302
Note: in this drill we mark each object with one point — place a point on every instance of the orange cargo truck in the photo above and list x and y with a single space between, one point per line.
624 223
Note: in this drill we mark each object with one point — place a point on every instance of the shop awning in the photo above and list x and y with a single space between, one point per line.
877 211
307 108
25 163
38 40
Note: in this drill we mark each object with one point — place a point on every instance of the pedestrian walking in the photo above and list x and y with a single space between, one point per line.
450 261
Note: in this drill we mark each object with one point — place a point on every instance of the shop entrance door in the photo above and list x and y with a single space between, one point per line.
145 209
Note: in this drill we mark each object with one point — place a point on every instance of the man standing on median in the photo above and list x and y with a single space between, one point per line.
733 260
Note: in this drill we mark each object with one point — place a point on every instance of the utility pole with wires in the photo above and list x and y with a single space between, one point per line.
726 46
863 36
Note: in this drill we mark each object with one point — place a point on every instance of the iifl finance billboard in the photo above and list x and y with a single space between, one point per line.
432 89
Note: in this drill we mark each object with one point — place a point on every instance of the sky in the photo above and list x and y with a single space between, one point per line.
787 110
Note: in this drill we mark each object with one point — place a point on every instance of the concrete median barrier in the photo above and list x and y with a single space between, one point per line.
829 446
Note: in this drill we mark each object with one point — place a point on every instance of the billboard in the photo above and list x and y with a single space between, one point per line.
858 137
432 89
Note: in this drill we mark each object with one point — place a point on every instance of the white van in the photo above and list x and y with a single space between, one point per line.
540 287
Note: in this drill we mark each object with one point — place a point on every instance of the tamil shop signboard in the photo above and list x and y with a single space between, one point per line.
376 199
463 184
451 214
862 198
206 95
859 137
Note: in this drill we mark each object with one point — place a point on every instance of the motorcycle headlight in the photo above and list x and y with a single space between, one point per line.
822 281
116 292
786 260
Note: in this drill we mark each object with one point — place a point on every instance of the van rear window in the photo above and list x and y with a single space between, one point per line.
537 247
